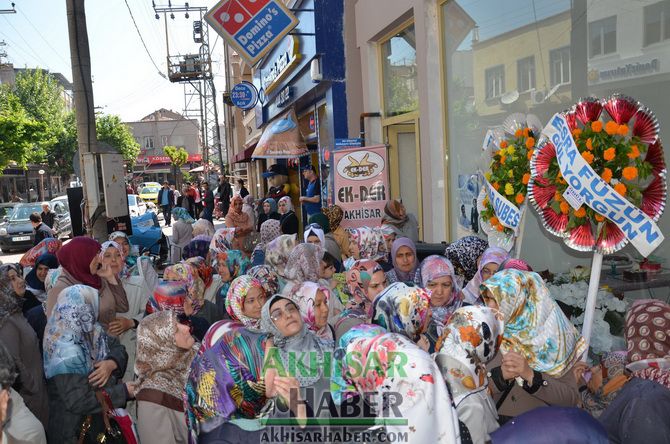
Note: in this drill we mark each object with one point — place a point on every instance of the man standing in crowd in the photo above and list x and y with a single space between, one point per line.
176 194
243 191
47 215
41 230
312 198
225 192
197 199
208 200
166 201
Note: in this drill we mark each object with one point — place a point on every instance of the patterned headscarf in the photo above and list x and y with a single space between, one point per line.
397 245
288 202
517 264
470 340
358 281
10 302
335 216
270 230
403 309
535 326
181 213
370 242
272 203
268 278
111 244
159 363
205 271
196 248
277 252
492 255
168 295
464 253
434 267
305 297
235 260
222 240
203 226
73 339
76 257
392 211
648 340
49 245
237 293
304 263
187 274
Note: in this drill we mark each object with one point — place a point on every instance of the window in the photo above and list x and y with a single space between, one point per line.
164 140
148 143
656 22
602 35
559 63
495 81
399 73
525 69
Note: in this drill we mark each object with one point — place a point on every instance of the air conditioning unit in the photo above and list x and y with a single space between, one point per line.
537 96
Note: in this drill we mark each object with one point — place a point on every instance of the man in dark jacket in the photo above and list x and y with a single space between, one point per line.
41 230
208 200
225 192
47 215
166 201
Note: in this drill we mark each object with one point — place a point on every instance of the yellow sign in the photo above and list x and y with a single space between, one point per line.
282 65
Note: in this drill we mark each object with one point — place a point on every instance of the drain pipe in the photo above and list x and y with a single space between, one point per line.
363 116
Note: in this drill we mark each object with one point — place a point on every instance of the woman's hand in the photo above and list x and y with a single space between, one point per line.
120 325
596 381
578 371
288 388
102 372
514 364
131 387
423 343
107 274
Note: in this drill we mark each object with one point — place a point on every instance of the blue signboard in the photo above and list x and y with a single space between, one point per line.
244 95
341 143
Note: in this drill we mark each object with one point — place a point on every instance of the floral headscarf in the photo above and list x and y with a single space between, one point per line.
464 253
358 280
277 252
73 339
403 309
159 363
470 340
181 213
535 326
203 226
237 293
647 337
268 278
335 216
196 248
492 255
273 205
204 270
188 275
434 267
305 297
370 242
517 264
304 262
49 245
270 230
10 302
222 240
288 202
168 295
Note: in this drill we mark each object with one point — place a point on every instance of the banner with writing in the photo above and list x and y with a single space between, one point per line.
507 213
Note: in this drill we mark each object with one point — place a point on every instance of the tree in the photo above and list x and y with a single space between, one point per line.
114 132
61 154
19 133
178 157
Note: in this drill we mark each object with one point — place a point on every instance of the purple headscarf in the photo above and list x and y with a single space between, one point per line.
404 242
492 255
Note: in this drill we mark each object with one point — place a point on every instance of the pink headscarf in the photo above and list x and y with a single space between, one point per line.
492 255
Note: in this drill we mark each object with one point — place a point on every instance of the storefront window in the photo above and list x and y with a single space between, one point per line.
400 75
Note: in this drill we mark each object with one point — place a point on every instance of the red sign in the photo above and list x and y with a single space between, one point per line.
155 160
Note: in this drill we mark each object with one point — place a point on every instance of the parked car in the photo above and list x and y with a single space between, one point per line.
6 210
62 222
136 205
18 233
150 194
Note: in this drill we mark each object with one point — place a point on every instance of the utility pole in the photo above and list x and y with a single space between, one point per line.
9 11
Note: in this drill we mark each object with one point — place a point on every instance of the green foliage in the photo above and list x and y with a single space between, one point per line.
178 156
114 132
19 133
62 152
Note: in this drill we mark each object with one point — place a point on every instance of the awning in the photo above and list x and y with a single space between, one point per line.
281 139
199 169
244 156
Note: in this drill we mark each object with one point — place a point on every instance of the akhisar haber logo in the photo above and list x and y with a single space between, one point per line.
360 165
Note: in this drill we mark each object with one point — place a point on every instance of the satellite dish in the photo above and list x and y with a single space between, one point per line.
509 97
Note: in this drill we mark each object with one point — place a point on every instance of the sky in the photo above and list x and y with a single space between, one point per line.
125 81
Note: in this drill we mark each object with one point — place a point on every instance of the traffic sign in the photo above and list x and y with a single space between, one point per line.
252 27
244 95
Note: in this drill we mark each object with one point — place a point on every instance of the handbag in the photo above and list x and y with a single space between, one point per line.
111 426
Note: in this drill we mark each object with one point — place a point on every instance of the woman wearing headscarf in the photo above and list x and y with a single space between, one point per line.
540 347
229 264
188 275
224 239
335 215
239 220
405 262
270 230
21 342
517 264
182 232
35 281
248 208
641 410
135 266
277 253
312 299
488 266
606 379
303 264
267 277
269 212
288 219
81 264
366 243
396 215
198 247
470 340
328 243
165 350
380 358
464 255
245 300
203 227
80 358
314 235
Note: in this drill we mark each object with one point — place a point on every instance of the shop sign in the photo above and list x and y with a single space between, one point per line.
361 184
624 69
154 160
252 27
348 143
244 95
284 97
277 70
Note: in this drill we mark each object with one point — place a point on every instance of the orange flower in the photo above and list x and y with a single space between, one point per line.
629 173
634 152
565 208
620 188
530 142
503 144
622 130
581 212
588 157
610 153
502 159
558 197
576 133
496 185
500 228
599 218
589 144
530 154
469 334
611 127
494 221
596 126
606 175
519 198
526 178
518 133
526 132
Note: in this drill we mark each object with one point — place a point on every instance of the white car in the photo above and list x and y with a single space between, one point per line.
136 206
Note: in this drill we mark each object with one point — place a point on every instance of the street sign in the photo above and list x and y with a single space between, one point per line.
348 143
252 27
244 95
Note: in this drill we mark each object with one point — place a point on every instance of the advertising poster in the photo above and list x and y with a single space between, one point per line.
361 184
468 216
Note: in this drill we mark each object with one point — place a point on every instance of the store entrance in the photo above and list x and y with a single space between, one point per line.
405 164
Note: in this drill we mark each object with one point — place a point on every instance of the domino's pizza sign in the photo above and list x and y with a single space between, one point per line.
252 27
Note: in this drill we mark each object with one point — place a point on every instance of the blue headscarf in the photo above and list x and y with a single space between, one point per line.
273 204
181 213
47 259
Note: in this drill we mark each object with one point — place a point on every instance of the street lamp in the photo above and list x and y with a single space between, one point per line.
41 173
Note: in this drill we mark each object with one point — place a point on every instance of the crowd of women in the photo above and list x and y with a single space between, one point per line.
344 337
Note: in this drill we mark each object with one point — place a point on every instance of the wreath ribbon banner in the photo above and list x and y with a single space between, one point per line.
637 226
506 212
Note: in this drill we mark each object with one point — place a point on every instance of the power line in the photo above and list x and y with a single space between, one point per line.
45 40
160 73
37 57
